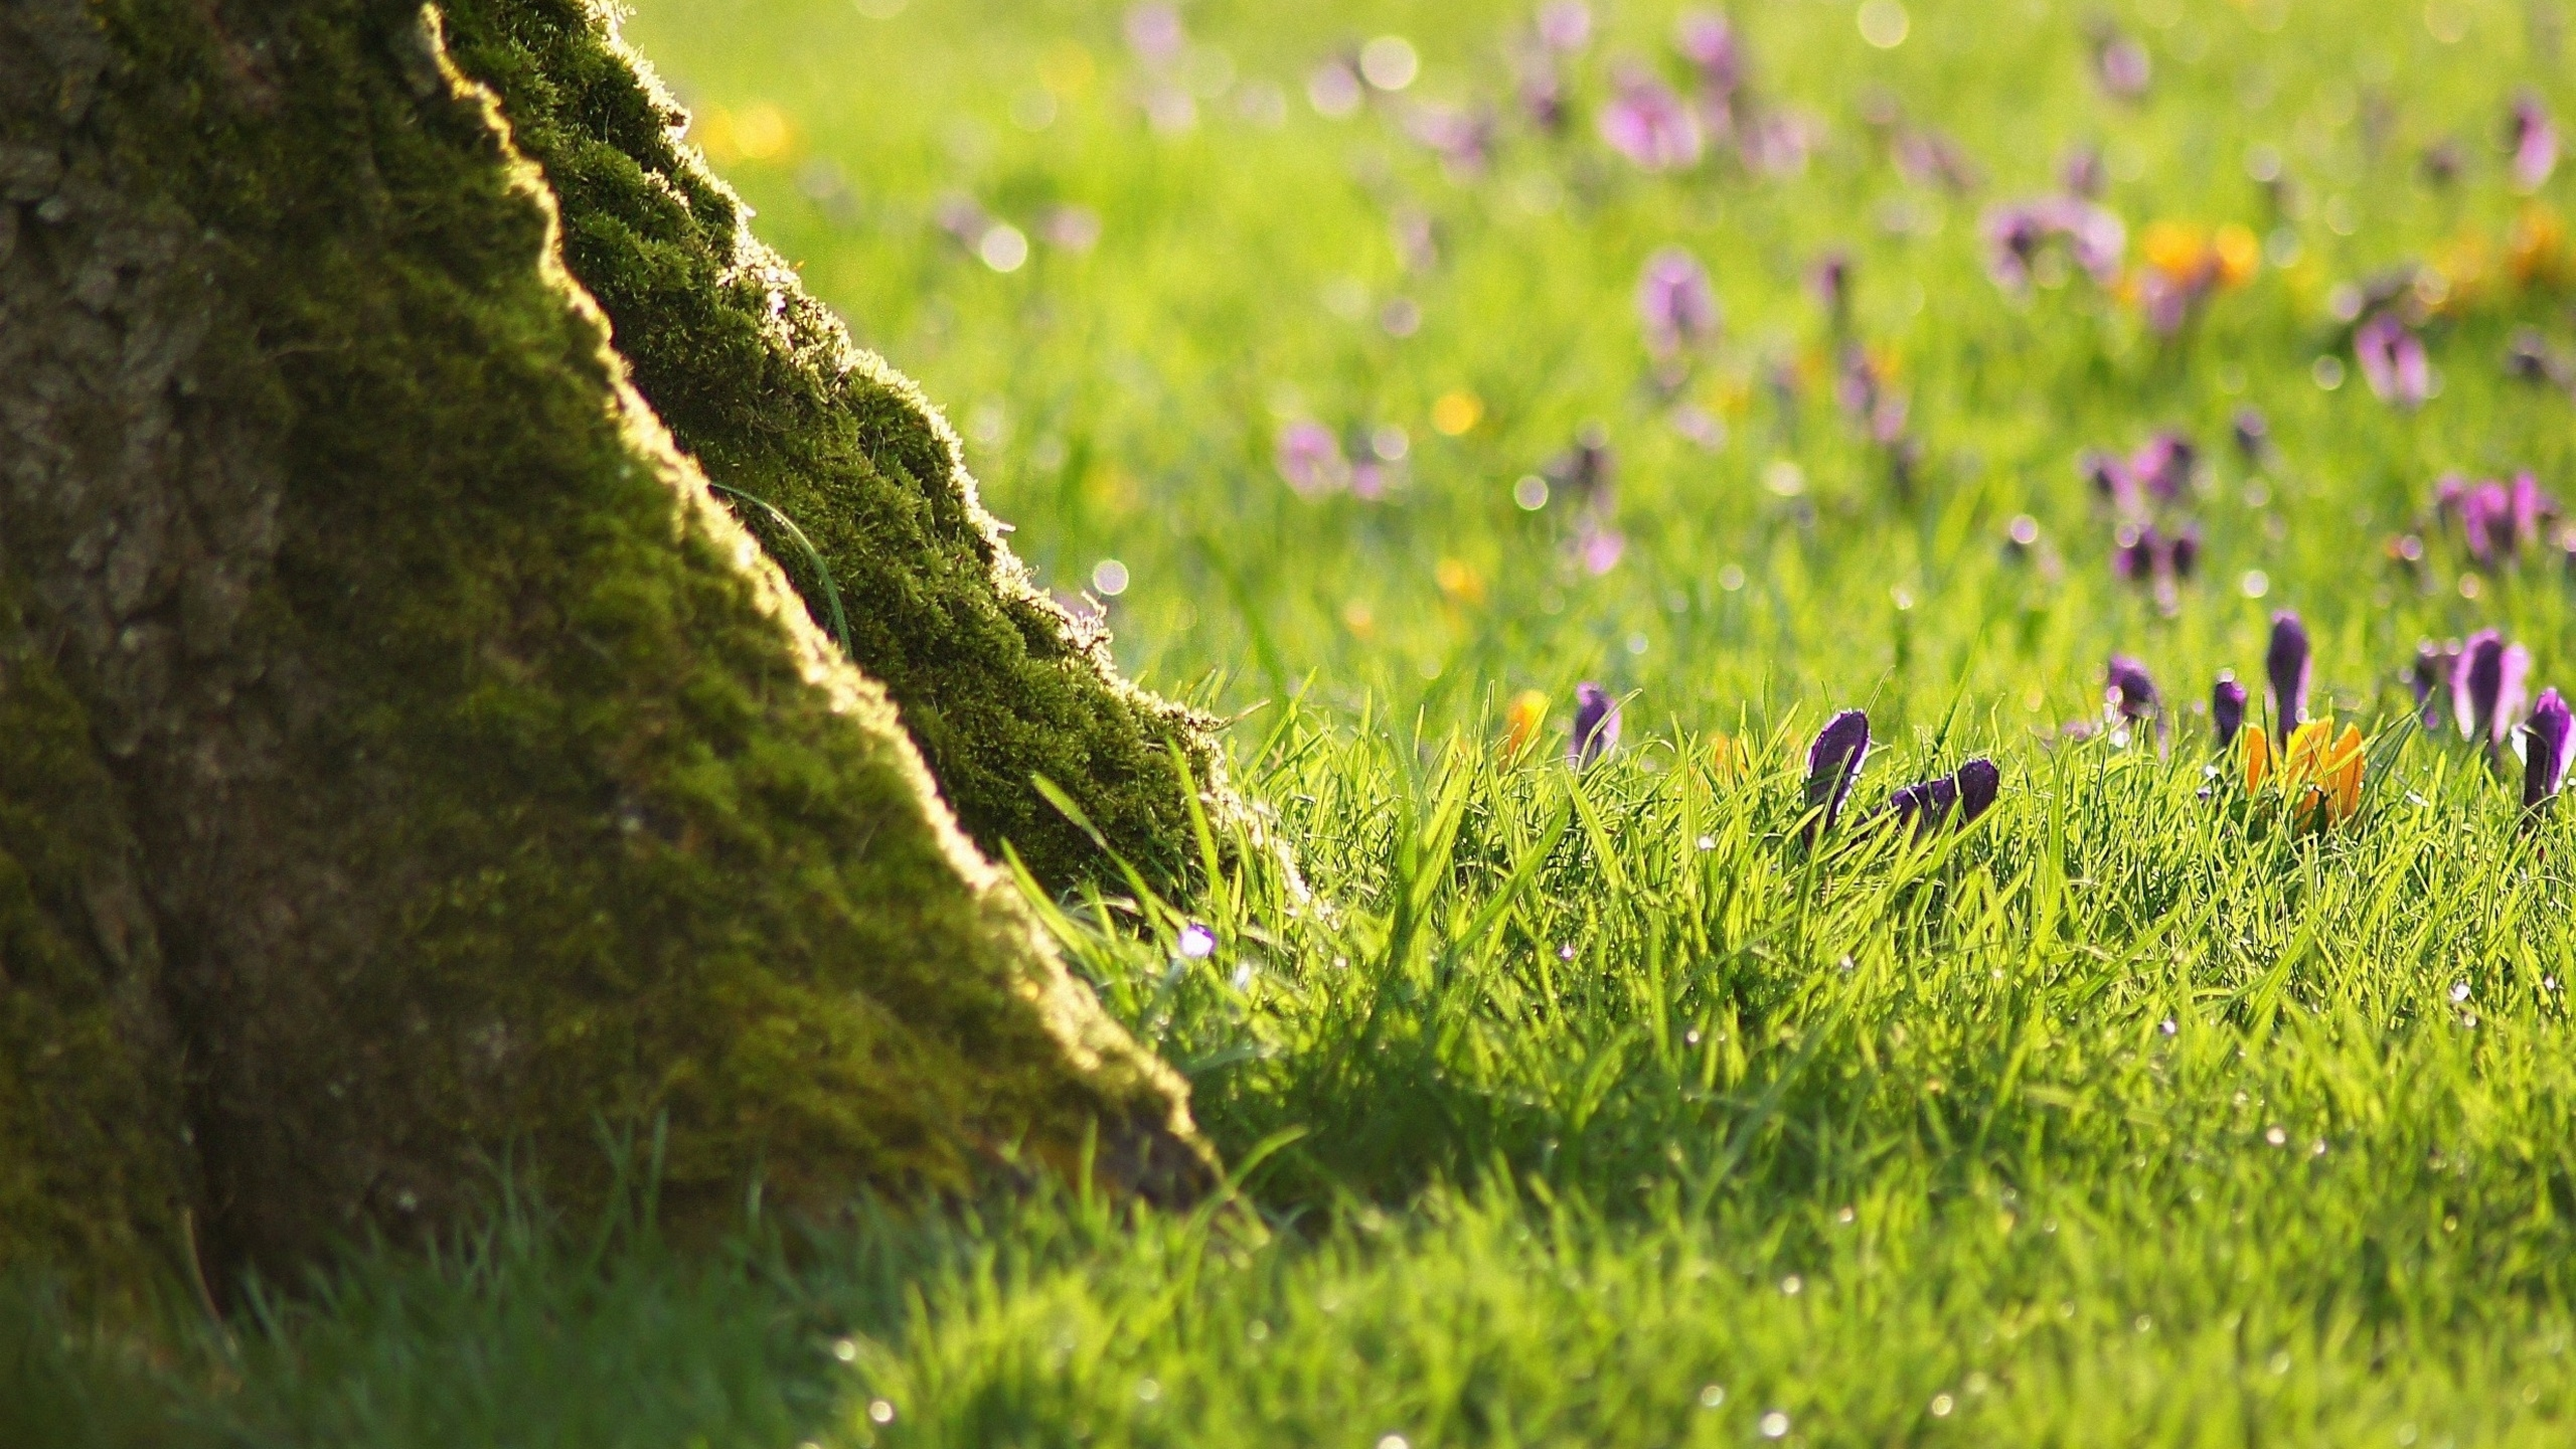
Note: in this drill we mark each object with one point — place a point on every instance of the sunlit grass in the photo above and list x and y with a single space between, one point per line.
1605 1107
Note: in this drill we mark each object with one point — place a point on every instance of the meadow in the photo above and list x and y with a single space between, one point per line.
1389 373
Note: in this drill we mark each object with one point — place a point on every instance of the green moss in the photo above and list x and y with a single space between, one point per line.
761 384
93 1168
606 834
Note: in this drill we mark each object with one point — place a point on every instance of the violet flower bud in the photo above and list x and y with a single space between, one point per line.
2435 666
1979 784
2393 361
1596 726
1835 760
2131 694
2535 143
1675 302
2227 710
1926 805
2286 664
2488 686
1649 125
2549 745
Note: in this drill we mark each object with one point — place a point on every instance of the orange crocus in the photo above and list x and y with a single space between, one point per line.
2318 771
1522 721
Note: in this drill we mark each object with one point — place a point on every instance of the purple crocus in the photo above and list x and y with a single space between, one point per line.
2163 465
1980 783
1676 303
2015 234
1708 41
2535 143
1971 792
2393 361
2253 434
2285 663
1833 763
2435 666
1596 725
2130 695
2084 173
2227 710
1832 280
1650 125
2548 747
2122 65
1565 26
1310 458
2487 688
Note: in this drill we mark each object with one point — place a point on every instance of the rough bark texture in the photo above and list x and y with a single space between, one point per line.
761 384
408 761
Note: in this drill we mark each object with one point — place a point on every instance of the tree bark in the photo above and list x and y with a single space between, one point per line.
414 765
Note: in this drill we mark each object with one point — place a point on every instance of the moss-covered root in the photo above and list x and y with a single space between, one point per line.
484 781
762 386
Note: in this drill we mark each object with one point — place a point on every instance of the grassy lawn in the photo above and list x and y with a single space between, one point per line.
1622 1105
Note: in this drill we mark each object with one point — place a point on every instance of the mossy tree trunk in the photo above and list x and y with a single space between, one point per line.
405 760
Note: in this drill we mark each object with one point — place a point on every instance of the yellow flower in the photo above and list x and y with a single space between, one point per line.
2177 249
2239 253
1522 721
1725 760
1457 413
1459 580
2319 772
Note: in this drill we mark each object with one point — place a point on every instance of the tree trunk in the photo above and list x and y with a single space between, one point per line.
405 762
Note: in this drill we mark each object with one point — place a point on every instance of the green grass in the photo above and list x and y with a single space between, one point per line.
1598 1109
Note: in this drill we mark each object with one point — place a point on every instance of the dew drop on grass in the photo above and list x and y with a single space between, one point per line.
1530 493
846 1350
1942 1404
880 1411
1775 1425
1109 578
1711 1395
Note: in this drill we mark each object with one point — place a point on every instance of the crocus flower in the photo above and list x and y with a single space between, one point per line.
1676 303
2227 710
2163 466
1463 138
2393 361
1980 783
2016 233
2285 663
2128 692
2488 686
1310 458
1649 125
1931 159
1926 805
2548 747
2121 64
2535 143
2435 665
1834 761
1971 791
2321 773
1832 280
1708 41
1523 718
1596 725
1565 26
2084 173
2253 435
